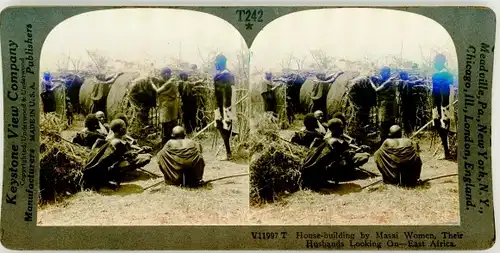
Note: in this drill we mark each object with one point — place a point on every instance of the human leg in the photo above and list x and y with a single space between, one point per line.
225 134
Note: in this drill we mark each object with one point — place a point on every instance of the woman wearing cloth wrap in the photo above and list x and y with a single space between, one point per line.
441 85
168 104
224 95
398 159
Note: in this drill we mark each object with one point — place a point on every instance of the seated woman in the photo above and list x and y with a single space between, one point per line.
309 135
89 135
398 159
181 160
114 159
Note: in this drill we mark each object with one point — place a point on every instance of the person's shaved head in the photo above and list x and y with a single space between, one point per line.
395 132
118 127
178 132
318 113
91 122
341 116
310 122
336 126
122 117
100 116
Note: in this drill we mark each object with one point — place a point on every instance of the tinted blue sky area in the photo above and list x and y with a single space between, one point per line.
353 34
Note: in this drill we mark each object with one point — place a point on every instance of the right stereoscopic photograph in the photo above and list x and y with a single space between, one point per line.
353 120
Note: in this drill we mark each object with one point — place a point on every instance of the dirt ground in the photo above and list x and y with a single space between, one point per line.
436 202
220 202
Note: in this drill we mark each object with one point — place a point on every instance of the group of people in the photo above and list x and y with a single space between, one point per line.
334 155
115 152
175 95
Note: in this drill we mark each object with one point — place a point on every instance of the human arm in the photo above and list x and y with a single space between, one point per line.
383 86
162 87
113 78
200 81
317 91
276 86
331 78
57 84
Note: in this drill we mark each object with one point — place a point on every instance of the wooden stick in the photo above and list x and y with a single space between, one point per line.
430 122
423 181
203 183
226 177
213 122
149 172
218 149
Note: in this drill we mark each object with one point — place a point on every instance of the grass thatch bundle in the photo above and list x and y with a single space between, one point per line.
415 106
205 103
61 162
142 93
275 164
359 100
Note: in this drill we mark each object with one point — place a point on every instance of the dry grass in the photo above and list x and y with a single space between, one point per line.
434 203
61 162
221 202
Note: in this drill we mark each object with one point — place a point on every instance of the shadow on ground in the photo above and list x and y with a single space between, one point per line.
123 190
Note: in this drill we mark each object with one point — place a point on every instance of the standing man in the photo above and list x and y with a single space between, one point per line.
442 80
168 103
387 104
225 93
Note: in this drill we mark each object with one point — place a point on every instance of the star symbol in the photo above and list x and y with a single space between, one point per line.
248 26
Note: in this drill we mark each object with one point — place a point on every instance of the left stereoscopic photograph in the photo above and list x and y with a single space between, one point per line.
143 119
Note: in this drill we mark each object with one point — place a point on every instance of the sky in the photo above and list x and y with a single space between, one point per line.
161 34
141 34
351 34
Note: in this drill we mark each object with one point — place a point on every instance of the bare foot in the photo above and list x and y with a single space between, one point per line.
443 157
227 158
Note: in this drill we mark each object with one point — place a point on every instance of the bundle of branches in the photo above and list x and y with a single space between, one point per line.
205 103
142 93
415 105
275 164
61 162
453 141
358 101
